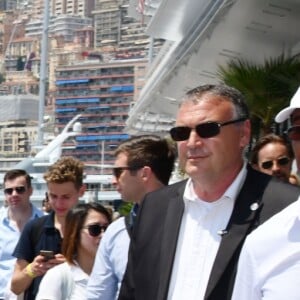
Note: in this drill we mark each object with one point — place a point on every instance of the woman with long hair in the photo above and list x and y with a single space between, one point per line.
85 224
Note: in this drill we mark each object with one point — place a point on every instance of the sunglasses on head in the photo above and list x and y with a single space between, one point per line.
283 161
19 189
117 171
204 130
293 133
95 229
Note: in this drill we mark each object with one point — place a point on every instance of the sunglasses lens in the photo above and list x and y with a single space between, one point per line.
294 133
283 161
96 229
8 191
267 164
18 189
207 130
117 172
180 133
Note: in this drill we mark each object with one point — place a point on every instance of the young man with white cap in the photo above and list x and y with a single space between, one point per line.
292 112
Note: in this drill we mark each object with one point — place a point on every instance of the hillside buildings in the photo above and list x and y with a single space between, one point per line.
97 60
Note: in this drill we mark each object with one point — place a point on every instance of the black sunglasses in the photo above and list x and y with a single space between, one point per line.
204 130
95 229
293 133
19 189
119 170
283 161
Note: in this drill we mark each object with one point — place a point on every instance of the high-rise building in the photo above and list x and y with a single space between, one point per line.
61 7
103 94
64 26
71 7
107 22
117 31
8 4
18 128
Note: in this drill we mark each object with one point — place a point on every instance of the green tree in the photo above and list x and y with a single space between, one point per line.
125 208
267 87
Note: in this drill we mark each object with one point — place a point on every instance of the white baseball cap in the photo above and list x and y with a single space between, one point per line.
285 113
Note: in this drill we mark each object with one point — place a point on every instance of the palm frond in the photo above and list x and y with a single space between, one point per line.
267 87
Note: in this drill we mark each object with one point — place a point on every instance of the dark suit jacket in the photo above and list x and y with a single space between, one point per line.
154 238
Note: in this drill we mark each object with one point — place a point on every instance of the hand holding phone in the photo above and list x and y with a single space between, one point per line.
47 254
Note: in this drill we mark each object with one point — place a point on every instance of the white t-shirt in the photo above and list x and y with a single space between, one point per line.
54 282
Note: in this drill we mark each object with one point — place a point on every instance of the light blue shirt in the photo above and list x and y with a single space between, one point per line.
8 240
110 263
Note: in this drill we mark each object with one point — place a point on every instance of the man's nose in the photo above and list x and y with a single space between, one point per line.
194 138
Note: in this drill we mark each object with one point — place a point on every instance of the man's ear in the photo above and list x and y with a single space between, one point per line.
30 190
246 134
82 190
146 173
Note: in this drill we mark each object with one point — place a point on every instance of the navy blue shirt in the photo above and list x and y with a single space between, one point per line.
38 234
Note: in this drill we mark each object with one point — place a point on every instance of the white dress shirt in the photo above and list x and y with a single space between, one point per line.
269 264
199 240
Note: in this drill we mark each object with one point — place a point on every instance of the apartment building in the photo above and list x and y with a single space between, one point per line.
71 7
62 25
102 94
8 4
18 128
61 7
115 28
107 21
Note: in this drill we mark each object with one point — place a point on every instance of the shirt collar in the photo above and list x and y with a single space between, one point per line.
231 192
35 213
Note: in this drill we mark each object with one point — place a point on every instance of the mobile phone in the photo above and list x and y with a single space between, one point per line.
47 254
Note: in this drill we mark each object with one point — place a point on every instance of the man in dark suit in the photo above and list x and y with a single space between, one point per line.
188 236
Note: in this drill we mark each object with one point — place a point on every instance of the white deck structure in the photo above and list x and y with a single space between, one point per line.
200 35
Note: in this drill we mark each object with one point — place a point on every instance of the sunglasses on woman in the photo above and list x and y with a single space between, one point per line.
95 229
283 161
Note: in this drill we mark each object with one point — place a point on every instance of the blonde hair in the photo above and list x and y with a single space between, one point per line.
66 169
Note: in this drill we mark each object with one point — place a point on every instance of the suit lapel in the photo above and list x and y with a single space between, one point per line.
169 240
244 214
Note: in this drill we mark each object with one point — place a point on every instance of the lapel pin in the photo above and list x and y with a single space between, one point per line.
254 206
222 232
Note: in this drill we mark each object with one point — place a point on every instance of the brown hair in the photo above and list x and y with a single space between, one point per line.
74 223
64 170
270 139
15 173
150 150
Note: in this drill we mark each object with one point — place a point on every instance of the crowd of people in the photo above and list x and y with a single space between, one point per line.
229 230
